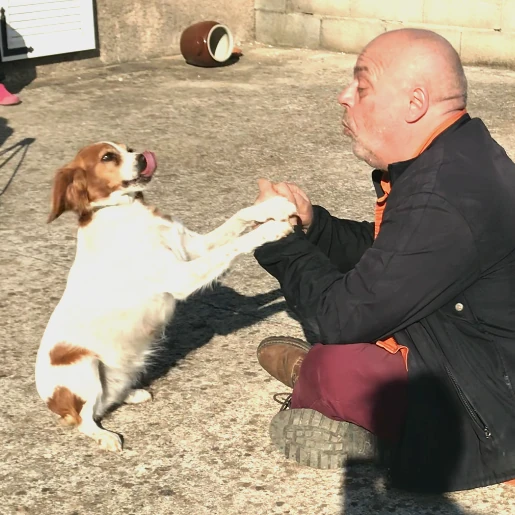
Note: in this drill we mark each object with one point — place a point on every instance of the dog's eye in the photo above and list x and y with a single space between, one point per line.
130 150
109 156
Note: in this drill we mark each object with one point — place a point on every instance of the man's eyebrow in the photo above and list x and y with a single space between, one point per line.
360 69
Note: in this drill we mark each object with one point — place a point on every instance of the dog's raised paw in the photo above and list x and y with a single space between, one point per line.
275 208
273 230
278 208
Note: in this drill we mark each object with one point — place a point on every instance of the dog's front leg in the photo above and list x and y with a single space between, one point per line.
275 208
190 276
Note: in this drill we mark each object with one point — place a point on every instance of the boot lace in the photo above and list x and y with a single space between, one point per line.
284 399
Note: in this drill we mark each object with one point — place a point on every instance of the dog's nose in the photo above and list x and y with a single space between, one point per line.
141 162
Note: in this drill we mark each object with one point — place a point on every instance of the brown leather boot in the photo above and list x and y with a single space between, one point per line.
282 356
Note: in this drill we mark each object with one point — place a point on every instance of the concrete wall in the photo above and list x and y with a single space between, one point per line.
133 30
482 31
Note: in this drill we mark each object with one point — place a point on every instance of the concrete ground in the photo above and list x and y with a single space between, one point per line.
202 446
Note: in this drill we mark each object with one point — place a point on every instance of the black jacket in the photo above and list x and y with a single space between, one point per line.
440 278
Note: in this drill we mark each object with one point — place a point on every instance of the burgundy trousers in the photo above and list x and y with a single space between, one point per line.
359 383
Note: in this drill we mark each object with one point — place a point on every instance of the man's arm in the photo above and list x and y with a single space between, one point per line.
342 241
423 256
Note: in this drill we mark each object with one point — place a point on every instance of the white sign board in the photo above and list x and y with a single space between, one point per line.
36 28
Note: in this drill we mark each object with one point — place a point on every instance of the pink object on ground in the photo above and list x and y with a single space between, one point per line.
7 98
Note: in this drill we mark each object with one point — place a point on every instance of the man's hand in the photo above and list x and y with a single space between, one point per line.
267 189
294 194
300 199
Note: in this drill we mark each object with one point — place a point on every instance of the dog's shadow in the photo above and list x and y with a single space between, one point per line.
217 311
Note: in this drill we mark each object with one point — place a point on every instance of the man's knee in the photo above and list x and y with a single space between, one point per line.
330 373
359 383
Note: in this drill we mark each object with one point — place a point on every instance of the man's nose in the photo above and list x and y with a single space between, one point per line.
346 97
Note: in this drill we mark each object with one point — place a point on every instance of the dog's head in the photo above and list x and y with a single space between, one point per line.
100 174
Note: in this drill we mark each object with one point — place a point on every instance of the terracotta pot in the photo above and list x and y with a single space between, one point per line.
207 43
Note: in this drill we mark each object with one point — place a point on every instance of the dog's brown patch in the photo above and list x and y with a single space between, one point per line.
67 405
155 211
65 354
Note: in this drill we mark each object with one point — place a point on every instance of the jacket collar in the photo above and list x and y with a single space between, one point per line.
395 170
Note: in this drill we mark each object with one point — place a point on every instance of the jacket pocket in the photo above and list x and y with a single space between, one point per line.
478 420
506 377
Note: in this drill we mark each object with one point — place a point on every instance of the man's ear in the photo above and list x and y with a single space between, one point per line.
418 105
69 192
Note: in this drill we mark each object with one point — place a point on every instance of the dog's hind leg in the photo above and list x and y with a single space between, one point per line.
91 389
107 440
138 396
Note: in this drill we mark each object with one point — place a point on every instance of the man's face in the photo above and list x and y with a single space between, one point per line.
373 109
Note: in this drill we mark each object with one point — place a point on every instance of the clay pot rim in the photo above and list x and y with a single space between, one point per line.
231 41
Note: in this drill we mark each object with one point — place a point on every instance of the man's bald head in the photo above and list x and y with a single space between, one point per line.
422 57
406 83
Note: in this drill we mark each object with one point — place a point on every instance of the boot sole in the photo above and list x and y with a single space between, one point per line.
316 441
287 340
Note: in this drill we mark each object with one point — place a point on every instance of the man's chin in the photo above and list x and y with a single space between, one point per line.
364 155
359 151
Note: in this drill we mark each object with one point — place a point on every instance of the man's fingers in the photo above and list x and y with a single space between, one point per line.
264 185
298 191
266 190
283 190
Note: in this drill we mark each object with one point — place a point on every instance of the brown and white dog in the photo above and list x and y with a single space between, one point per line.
130 268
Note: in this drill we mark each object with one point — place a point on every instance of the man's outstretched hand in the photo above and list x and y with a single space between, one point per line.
293 193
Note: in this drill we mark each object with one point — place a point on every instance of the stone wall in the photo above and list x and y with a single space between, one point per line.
482 31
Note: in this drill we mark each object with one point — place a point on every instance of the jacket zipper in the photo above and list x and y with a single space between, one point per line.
468 406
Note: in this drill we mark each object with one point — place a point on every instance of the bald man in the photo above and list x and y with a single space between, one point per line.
414 314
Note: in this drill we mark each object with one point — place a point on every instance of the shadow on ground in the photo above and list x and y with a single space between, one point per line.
365 491
11 157
6 131
220 310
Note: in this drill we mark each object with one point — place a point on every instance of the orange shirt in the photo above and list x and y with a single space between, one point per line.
390 344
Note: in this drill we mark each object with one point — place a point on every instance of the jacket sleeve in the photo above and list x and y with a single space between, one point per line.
423 256
342 241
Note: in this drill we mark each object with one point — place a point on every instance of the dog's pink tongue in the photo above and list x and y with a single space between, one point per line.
150 158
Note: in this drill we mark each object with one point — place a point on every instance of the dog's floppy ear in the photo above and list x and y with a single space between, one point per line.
69 193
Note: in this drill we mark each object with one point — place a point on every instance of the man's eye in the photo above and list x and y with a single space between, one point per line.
130 150
109 156
361 91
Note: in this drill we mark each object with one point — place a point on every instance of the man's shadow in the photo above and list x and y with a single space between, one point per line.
417 478
16 71
217 311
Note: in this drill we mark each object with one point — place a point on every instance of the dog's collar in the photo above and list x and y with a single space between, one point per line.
122 199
